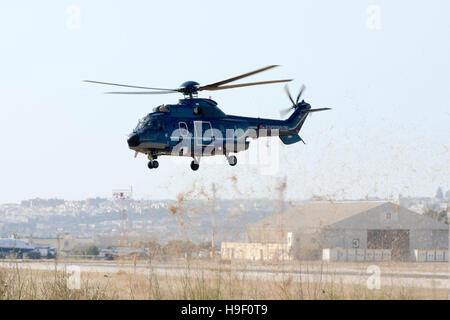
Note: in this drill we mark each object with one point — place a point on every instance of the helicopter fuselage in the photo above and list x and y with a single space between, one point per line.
197 127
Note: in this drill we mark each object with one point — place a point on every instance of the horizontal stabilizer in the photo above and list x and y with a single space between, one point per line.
290 139
317 110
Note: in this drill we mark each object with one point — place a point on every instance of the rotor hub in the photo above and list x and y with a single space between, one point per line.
189 87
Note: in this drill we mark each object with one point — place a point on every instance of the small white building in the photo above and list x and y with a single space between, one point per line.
255 251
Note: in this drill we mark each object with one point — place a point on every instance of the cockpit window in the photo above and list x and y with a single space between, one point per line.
143 123
140 125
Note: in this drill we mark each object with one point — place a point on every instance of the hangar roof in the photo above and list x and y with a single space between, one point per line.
14 244
348 214
317 214
390 216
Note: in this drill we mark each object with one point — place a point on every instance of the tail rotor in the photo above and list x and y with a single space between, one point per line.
285 112
296 104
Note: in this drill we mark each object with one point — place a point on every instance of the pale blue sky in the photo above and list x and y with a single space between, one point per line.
388 131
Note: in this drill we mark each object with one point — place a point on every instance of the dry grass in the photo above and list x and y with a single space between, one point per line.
146 283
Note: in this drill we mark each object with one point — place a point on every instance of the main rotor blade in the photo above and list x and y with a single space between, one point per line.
242 85
216 84
286 88
285 112
140 92
300 94
128 86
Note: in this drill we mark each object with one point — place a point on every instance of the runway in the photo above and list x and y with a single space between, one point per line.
435 277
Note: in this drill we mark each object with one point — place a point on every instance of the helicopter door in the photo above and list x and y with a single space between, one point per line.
203 134
181 132
161 134
184 131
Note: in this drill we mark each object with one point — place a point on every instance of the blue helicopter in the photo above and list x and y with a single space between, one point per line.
196 127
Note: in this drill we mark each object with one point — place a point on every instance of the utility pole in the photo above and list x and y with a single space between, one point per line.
213 220
120 197
281 190
58 244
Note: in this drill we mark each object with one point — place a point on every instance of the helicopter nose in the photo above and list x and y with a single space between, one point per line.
133 140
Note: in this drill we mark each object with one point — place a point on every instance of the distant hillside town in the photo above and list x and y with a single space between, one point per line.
117 221
105 218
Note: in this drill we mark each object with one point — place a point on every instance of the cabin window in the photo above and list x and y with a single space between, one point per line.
183 128
162 108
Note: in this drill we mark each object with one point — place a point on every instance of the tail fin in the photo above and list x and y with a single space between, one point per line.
296 121
298 117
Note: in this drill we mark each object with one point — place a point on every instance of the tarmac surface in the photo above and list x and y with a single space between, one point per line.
432 275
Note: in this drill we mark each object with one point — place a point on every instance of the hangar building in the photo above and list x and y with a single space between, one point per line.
14 246
351 224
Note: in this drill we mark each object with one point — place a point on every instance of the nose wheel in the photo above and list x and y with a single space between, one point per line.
153 164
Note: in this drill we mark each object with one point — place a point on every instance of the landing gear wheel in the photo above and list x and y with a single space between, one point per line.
194 165
232 160
153 164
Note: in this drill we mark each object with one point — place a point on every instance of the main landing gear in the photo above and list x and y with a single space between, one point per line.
195 164
232 160
152 164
